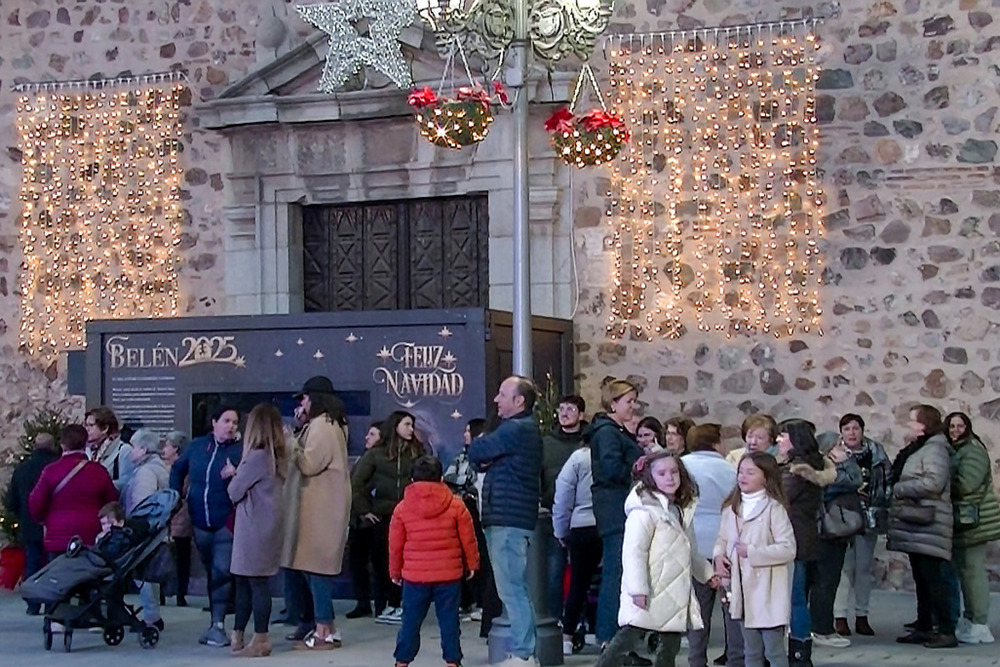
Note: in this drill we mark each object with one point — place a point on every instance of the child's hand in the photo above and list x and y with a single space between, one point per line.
640 601
228 470
371 518
398 582
741 550
470 574
714 582
722 566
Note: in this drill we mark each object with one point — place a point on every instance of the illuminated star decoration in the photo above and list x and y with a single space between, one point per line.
350 50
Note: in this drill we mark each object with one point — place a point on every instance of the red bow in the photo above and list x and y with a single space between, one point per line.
424 97
477 94
560 121
499 91
595 119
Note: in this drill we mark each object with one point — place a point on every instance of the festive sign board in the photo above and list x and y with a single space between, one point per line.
442 366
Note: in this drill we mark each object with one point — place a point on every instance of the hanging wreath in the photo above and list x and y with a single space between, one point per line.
588 139
455 122
462 119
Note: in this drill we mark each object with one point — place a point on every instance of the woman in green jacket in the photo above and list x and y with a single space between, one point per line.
378 481
977 523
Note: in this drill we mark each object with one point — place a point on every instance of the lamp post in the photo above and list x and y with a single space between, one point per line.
513 31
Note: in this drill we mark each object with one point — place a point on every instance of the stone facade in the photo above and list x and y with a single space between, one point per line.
908 108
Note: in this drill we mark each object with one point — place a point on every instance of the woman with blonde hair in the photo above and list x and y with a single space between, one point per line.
613 452
256 492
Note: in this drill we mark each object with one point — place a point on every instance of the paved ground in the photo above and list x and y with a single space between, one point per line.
369 645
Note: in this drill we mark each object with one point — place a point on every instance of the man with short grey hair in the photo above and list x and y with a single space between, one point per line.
511 456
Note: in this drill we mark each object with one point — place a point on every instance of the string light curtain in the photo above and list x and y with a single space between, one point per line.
715 207
100 193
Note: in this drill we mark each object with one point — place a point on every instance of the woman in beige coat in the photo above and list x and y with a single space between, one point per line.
318 503
755 551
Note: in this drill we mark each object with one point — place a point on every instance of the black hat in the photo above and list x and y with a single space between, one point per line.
319 384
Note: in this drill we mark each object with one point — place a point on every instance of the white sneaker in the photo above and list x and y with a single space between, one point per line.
476 615
567 647
975 634
831 641
387 615
514 661
963 626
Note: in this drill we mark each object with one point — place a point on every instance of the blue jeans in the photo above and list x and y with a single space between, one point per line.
555 555
321 589
149 598
800 627
508 549
447 597
216 551
608 596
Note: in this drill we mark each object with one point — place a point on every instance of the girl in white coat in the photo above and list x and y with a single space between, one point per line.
659 559
753 556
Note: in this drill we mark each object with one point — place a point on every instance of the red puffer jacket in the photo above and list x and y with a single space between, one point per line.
73 511
431 538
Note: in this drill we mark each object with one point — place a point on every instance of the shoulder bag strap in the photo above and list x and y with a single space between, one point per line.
70 476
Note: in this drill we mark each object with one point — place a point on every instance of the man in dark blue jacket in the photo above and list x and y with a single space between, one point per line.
23 480
511 456
209 463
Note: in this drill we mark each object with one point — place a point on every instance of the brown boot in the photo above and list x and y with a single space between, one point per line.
841 627
235 641
259 647
862 627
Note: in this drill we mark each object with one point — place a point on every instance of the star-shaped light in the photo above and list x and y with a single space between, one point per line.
349 50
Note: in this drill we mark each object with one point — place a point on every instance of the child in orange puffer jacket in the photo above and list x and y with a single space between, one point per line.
432 545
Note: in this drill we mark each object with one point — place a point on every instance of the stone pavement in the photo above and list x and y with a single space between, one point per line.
369 645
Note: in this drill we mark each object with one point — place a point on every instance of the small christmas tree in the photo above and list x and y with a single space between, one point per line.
47 420
547 404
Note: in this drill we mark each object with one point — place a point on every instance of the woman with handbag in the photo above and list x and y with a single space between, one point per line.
840 519
977 523
920 525
856 577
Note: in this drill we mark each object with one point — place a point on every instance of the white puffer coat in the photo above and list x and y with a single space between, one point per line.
659 557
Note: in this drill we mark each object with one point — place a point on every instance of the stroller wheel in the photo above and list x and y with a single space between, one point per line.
113 635
149 637
68 640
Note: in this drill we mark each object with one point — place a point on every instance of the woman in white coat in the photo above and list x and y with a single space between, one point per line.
660 557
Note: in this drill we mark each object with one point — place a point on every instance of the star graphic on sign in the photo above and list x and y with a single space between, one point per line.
300 342
319 355
351 338
240 362
408 403
351 46
445 332
279 353
384 353
456 414
449 358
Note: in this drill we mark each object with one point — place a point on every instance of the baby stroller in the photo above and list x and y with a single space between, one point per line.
81 589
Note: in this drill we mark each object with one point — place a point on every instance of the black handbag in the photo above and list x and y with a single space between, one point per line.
842 516
160 567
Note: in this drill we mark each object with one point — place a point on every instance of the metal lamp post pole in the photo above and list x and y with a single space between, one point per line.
517 79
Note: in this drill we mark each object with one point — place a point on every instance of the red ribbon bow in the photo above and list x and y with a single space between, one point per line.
424 97
477 94
560 121
595 119
500 92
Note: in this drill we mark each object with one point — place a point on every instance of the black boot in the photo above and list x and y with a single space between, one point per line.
799 653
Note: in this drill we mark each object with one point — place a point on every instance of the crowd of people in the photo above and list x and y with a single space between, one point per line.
779 532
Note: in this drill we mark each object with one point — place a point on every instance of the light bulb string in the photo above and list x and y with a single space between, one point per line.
619 40
151 78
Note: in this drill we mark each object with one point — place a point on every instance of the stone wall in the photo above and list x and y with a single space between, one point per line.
908 111
45 40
